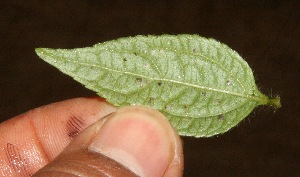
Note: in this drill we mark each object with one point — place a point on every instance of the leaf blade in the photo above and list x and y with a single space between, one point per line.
186 77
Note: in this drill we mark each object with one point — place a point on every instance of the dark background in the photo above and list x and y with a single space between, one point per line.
265 33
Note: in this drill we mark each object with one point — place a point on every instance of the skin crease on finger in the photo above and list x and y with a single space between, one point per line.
33 139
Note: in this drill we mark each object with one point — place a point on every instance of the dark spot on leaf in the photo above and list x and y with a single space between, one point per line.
124 59
150 100
221 116
139 79
203 93
134 53
159 83
228 83
194 50
185 106
168 107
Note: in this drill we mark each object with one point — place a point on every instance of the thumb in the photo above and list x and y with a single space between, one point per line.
134 141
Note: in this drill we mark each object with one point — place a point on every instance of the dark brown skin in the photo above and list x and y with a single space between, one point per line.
84 137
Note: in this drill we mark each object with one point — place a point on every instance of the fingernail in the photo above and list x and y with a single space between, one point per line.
138 137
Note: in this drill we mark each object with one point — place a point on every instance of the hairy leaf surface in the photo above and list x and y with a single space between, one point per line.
202 86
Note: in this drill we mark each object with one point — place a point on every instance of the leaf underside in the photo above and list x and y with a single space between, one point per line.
202 86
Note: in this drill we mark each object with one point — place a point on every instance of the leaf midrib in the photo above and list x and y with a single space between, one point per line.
253 98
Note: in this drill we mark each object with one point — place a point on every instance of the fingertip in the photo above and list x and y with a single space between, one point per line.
141 139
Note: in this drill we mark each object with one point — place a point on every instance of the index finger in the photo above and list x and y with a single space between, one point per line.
33 139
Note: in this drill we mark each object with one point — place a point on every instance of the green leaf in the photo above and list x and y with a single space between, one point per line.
202 86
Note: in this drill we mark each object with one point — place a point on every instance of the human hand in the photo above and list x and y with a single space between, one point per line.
132 140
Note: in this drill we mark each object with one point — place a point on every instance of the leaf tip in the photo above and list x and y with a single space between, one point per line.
39 51
44 52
